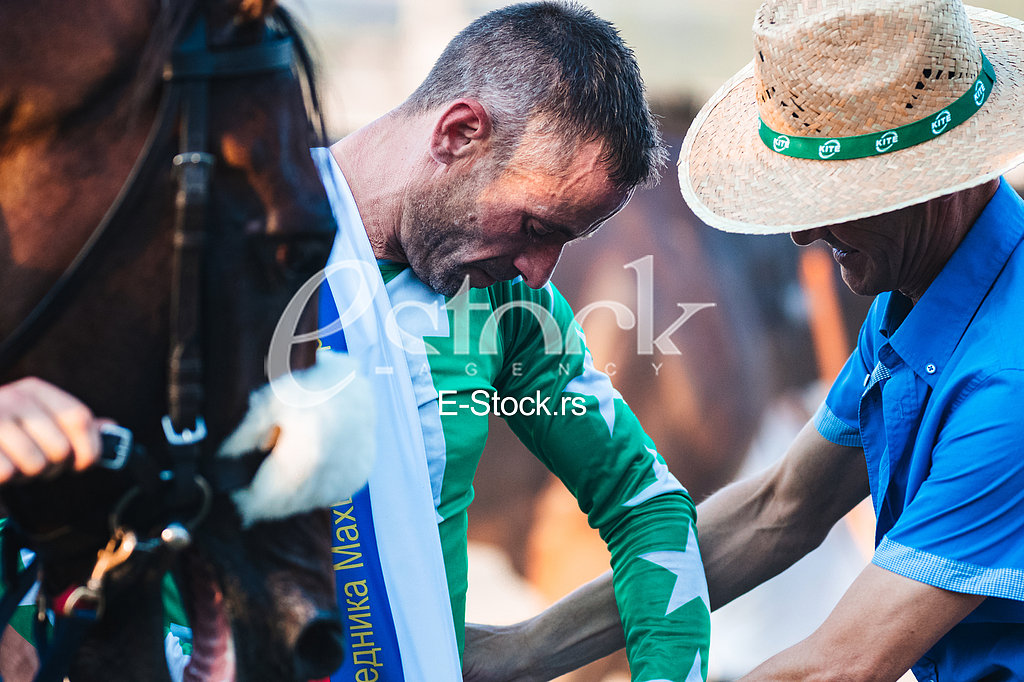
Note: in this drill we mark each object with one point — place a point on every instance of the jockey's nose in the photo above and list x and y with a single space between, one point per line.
537 264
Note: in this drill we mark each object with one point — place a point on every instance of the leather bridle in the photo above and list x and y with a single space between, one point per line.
193 65
187 484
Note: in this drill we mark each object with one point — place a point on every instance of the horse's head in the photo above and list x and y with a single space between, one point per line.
201 272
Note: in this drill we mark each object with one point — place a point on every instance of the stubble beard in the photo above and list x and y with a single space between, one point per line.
438 231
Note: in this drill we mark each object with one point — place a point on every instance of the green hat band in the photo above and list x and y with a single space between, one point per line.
876 144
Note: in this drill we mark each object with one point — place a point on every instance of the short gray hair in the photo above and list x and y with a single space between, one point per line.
559 65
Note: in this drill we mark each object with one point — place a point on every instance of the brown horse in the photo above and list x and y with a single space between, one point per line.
81 86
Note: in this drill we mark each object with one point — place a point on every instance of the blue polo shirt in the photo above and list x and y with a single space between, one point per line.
934 394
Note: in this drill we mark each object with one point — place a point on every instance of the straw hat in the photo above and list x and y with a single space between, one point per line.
833 69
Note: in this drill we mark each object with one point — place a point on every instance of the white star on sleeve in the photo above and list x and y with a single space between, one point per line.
695 674
664 482
689 570
597 384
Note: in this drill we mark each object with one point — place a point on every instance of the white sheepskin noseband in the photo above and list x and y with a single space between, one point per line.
325 448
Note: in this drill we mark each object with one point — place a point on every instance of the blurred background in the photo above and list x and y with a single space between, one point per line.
750 369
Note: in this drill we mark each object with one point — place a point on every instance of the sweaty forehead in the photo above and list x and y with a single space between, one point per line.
575 191
544 146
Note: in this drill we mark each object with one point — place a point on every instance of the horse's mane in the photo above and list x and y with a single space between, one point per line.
309 76
171 20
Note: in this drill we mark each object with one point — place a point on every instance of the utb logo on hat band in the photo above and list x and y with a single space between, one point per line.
874 144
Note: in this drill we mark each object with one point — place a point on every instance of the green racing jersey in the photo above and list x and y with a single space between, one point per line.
518 353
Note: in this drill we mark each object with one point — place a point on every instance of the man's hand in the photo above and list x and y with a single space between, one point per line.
43 429
578 629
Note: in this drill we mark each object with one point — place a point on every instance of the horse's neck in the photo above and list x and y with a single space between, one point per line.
60 189
66 143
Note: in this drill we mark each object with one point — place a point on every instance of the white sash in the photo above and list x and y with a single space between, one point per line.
404 515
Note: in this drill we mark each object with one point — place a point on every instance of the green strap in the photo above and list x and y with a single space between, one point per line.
875 144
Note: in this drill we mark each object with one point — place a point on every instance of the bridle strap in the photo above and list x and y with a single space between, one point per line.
271 55
192 67
193 60
194 165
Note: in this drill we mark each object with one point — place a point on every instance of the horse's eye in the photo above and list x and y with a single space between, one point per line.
303 256
292 260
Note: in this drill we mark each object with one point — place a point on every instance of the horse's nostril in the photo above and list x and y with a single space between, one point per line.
320 649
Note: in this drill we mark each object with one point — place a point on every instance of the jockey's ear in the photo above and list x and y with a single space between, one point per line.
461 130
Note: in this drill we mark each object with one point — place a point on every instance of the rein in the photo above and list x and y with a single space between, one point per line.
187 488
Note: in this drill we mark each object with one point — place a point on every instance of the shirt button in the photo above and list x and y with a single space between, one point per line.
930 368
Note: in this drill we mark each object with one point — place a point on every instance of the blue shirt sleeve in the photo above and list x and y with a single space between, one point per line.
836 419
963 529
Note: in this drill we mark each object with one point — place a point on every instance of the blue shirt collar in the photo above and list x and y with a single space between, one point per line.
931 330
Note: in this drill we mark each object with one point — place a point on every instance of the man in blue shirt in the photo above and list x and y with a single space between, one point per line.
882 129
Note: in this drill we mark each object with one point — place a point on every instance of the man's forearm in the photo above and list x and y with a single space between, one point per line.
749 532
734 525
882 625
754 529
579 629
584 626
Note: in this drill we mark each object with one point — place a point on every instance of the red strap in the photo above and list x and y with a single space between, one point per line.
83 606
61 599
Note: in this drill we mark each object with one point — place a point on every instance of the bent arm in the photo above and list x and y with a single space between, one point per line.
644 515
754 529
749 532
